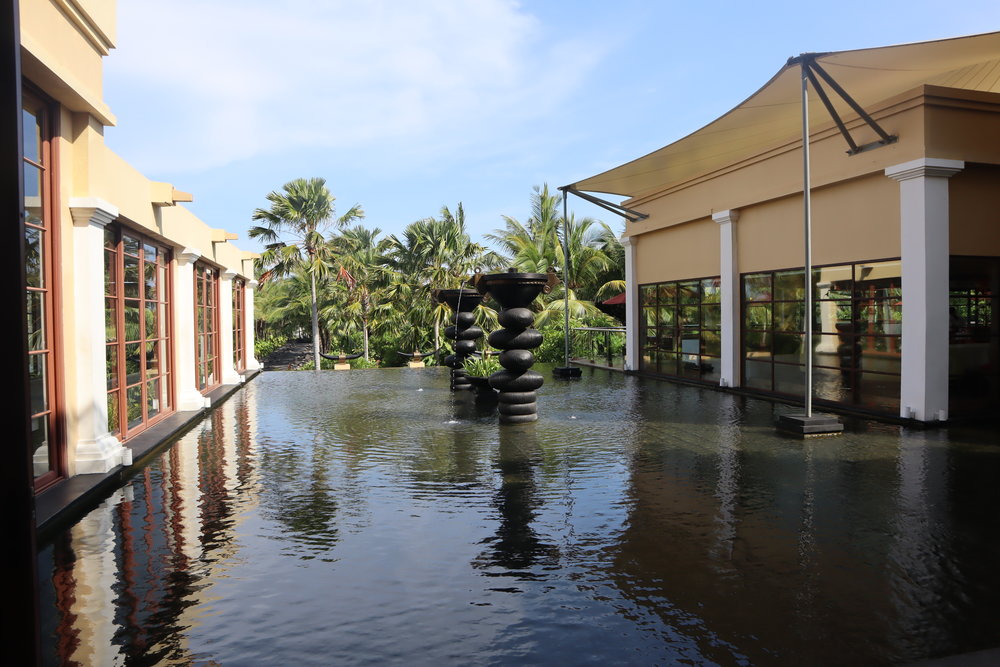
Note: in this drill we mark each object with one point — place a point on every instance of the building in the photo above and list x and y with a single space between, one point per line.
905 200
137 310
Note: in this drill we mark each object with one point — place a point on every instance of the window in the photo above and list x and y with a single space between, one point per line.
682 323
137 327
40 279
974 335
206 305
239 335
856 346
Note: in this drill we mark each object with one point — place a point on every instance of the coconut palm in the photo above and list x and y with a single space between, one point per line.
537 245
362 278
302 212
435 253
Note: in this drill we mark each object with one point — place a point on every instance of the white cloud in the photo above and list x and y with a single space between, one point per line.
225 80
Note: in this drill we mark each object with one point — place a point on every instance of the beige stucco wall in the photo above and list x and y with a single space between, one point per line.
683 251
974 203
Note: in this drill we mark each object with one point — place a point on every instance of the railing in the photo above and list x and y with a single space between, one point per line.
599 346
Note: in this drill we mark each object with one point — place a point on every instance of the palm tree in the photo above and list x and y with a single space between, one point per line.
535 246
362 276
435 253
302 211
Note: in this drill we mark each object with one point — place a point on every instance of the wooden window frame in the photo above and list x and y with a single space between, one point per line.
47 111
207 328
239 325
118 420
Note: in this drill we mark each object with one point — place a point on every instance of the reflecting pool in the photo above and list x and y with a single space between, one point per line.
373 517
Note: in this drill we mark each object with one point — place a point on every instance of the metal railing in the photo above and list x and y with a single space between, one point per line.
599 346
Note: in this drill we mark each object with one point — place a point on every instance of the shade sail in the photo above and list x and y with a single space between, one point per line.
772 115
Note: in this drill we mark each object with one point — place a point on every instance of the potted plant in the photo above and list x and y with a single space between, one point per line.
478 371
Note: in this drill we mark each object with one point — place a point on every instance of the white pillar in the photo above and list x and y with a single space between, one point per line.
633 335
248 328
95 450
729 281
923 228
229 374
188 396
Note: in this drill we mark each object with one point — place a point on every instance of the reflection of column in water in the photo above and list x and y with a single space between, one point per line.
727 484
808 549
88 606
913 573
516 546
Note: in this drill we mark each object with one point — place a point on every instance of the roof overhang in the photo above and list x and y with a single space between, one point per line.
772 116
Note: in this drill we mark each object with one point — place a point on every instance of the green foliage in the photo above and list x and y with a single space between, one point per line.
362 363
265 346
481 367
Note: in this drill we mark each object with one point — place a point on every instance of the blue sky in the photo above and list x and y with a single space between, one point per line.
405 107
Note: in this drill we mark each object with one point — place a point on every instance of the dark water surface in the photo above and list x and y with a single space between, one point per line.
372 517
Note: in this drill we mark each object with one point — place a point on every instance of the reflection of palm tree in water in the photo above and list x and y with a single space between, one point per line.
516 547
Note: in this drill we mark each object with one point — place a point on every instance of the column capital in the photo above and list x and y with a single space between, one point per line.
626 241
727 216
253 284
227 275
92 210
187 256
924 167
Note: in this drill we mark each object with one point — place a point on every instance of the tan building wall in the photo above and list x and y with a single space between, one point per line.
975 210
683 251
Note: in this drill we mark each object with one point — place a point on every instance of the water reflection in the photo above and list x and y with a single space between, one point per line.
304 523
516 549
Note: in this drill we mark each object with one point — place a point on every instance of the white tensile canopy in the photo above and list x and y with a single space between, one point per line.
772 115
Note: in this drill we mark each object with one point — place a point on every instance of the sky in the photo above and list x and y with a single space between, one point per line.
405 107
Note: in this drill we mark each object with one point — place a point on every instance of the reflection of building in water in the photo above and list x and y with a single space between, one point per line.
126 579
838 555
901 234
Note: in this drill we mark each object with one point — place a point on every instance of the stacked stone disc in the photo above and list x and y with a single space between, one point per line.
516 383
463 332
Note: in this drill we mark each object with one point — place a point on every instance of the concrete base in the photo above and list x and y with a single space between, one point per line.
567 372
809 427
341 367
99 455
415 364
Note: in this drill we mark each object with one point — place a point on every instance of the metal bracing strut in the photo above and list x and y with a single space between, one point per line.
617 209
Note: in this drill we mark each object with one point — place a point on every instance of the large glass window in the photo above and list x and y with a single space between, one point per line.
681 329
137 330
206 299
39 248
974 335
239 335
857 342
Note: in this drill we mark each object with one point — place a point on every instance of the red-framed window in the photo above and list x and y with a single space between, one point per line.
206 306
41 278
137 295
239 332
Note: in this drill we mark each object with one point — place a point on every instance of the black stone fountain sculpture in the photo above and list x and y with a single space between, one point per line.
517 383
464 331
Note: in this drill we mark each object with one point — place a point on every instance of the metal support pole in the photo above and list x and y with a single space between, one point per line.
566 273
807 211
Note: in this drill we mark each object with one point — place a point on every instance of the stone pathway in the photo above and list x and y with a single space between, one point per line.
288 357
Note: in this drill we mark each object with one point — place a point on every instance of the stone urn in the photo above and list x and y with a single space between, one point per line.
517 383
463 332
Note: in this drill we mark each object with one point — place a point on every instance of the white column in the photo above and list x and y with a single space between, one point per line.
188 396
633 335
729 281
95 449
248 328
229 374
923 228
